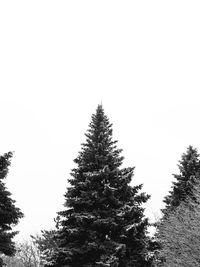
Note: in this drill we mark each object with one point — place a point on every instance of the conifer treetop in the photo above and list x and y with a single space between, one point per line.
189 172
99 150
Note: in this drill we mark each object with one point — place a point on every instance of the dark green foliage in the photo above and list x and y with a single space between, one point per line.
9 214
103 224
189 168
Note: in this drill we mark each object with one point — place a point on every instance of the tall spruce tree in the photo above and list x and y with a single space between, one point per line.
9 214
103 224
189 172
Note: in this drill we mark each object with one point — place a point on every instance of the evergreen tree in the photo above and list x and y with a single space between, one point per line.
9 214
103 224
179 234
46 245
178 200
189 168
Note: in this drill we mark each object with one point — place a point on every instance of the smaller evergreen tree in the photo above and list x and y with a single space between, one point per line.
177 202
46 245
189 168
9 213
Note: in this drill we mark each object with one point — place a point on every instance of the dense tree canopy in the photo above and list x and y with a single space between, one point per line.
177 231
103 223
179 234
9 214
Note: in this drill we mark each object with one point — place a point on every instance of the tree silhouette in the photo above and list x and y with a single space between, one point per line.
103 223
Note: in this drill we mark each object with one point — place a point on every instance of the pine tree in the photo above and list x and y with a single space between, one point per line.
103 223
46 245
178 200
189 168
179 234
9 214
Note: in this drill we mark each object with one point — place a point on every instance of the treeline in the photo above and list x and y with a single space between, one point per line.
103 222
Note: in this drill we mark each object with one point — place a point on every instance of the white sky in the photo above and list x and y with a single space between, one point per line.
60 59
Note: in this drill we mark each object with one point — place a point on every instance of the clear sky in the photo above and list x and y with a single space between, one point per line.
60 59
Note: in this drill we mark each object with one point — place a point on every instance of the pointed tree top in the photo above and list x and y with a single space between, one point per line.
189 174
100 107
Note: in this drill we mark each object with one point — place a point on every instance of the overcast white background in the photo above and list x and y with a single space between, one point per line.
60 59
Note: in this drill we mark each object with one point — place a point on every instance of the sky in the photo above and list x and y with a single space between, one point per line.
60 59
